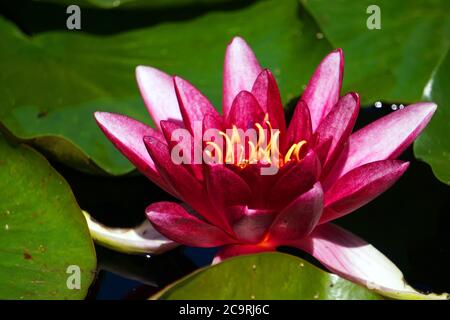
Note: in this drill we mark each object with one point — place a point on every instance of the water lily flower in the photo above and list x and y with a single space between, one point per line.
324 170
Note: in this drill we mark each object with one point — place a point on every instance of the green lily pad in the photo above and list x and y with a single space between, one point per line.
393 63
264 276
433 145
44 240
108 4
52 82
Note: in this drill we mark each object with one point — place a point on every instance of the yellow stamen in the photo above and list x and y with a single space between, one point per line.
241 161
229 156
288 155
265 150
235 137
253 156
217 151
298 148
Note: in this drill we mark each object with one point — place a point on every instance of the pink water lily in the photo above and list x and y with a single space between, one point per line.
324 171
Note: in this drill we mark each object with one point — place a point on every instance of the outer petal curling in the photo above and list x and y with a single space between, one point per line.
126 134
383 139
158 93
360 186
173 221
352 258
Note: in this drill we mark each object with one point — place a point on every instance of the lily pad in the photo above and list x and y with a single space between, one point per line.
53 81
433 146
392 63
109 4
44 241
264 276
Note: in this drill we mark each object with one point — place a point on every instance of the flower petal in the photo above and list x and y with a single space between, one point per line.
158 93
338 125
383 139
237 250
360 186
297 179
259 182
193 105
240 71
300 126
351 257
253 225
212 121
245 111
126 134
186 185
266 91
173 221
141 239
225 188
299 218
178 137
322 91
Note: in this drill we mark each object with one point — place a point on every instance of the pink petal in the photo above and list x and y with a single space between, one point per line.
322 149
225 189
322 91
174 222
298 178
253 225
237 250
360 186
186 143
245 112
212 121
299 127
186 185
126 134
383 139
158 93
240 71
337 126
266 91
351 257
193 105
299 218
260 184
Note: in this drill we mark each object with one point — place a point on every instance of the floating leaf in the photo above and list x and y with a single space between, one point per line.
108 4
264 276
433 146
44 241
52 82
392 63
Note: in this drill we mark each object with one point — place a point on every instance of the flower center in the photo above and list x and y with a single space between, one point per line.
259 144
